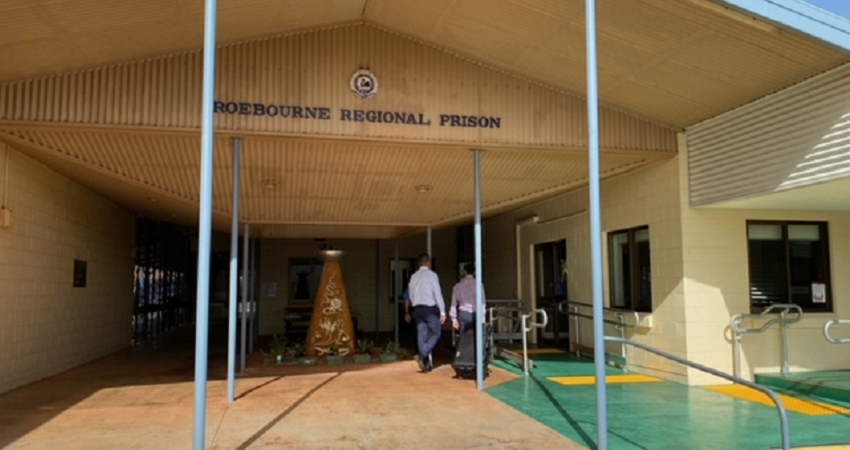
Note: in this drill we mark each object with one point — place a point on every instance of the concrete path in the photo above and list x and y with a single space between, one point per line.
144 400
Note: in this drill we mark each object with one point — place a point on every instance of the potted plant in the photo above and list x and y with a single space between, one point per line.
364 352
299 353
392 352
278 348
334 357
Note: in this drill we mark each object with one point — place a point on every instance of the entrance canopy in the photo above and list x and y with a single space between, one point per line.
357 116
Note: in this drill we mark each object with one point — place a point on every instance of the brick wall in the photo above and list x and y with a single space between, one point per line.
46 325
649 196
717 287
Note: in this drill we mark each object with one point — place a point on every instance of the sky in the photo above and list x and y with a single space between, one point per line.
837 7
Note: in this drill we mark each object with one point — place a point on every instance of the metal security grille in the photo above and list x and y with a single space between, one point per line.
163 282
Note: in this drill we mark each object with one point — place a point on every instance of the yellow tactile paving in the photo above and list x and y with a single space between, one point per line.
543 351
610 379
791 404
823 447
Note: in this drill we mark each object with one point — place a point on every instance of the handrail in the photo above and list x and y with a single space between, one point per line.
527 326
621 323
620 313
829 336
783 414
736 320
738 333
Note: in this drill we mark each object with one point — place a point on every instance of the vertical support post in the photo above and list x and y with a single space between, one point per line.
783 334
396 286
204 230
577 342
622 328
234 274
252 296
736 340
244 310
378 289
524 324
479 299
596 227
428 242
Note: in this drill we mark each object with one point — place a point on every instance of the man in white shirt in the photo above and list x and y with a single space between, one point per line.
428 310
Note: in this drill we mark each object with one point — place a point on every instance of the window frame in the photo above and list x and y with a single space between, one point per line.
303 261
823 226
634 275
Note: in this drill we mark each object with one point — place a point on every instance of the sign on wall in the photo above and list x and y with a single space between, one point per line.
364 84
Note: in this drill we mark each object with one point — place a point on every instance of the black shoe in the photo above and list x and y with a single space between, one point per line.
430 363
423 366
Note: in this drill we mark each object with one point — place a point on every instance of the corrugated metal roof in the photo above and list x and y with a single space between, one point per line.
677 61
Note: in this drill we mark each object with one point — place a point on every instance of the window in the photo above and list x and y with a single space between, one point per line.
80 273
304 277
629 269
789 263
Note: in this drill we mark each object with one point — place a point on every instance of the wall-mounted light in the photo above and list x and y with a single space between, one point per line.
269 184
5 218
423 188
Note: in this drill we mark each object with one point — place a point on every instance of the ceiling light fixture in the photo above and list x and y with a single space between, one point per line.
735 15
423 188
269 184
152 200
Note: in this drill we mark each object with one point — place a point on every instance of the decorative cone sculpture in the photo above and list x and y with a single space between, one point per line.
330 326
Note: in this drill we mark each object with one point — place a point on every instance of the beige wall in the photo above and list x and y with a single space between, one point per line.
358 271
717 287
648 196
46 325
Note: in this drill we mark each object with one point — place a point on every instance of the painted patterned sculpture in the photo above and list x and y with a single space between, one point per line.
331 327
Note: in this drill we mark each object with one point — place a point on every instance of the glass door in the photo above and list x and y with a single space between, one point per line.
550 271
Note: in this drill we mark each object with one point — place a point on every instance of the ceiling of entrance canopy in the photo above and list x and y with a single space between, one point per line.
674 61
309 187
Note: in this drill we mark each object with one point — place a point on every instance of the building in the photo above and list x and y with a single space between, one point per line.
724 143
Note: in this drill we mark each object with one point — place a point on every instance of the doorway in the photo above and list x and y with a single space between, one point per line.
550 273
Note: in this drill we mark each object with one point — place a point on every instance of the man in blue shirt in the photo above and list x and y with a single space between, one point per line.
428 310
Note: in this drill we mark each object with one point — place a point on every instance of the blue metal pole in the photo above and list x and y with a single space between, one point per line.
479 301
204 229
234 275
596 228
244 310
396 290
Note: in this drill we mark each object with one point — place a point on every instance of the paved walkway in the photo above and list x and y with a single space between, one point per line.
144 400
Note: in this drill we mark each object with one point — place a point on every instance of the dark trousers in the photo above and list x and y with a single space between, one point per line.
427 328
466 320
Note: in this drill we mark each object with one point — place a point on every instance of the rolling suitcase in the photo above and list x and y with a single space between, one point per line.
464 362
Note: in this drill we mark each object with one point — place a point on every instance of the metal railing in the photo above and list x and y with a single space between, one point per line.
620 319
504 327
828 335
738 333
783 414
527 326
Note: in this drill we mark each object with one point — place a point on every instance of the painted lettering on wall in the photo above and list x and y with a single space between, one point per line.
354 115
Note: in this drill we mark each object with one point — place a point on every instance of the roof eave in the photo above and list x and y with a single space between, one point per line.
800 16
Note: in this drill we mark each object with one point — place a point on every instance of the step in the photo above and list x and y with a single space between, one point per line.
831 385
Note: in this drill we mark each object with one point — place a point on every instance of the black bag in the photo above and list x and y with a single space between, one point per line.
464 362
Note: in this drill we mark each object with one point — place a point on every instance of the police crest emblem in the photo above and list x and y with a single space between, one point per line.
364 83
